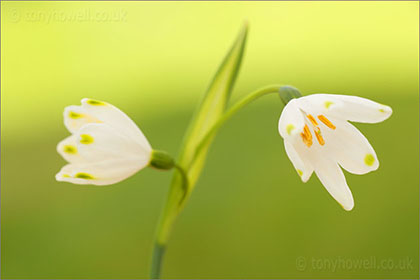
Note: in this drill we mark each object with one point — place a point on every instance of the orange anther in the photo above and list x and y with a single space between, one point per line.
307 132
306 136
326 121
312 119
319 138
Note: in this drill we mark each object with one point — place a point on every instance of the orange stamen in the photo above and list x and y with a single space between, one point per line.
307 132
326 121
319 138
306 136
312 119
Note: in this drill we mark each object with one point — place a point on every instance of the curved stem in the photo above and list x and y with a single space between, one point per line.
184 179
160 243
233 109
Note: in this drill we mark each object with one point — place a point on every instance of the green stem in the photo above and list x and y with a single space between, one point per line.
158 252
233 109
162 232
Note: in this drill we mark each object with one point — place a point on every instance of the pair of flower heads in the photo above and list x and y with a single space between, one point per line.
106 146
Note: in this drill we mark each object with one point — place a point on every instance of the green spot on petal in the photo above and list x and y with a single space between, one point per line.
382 110
74 115
369 159
289 128
327 104
70 149
66 176
299 172
86 139
95 102
82 175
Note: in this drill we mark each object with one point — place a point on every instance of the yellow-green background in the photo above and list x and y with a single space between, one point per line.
250 216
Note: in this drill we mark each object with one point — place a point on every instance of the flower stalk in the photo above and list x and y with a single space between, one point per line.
286 93
234 109
163 229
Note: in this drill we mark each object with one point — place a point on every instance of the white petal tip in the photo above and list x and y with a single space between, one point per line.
79 179
348 206
386 110
93 102
60 177
305 177
84 100
348 209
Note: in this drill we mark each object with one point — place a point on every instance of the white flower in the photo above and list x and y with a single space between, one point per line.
105 147
318 137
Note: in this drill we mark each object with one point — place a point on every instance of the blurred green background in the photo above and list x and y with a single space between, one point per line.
250 216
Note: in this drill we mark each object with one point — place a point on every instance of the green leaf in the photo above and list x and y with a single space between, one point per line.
210 110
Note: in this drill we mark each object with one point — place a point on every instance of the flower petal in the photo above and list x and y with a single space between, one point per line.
301 163
75 117
332 177
67 148
98 142
99 173
319 104
115 118
345 107
291 121
350 148
358 109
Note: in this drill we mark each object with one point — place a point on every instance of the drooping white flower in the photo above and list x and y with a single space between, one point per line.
318 137
105 147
